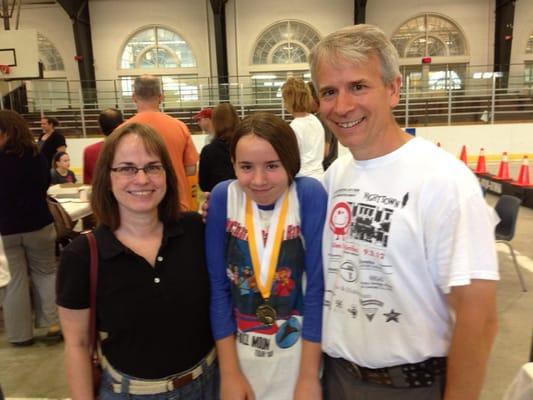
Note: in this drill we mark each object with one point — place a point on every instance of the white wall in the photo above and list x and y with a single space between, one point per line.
515 139
523 27
474 17
54 23
114 21
253 17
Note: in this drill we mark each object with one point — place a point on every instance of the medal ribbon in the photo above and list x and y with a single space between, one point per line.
270 251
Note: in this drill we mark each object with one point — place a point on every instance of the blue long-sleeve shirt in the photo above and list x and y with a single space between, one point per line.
313 202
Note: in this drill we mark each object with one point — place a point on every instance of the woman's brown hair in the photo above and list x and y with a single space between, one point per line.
18 136
296 95
225 120
103 202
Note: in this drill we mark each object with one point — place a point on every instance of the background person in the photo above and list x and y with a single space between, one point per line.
266 329
28 233
60 172
215 159
109 119
408 249
306 126
153 289
205 122
50 142
331 144
147 96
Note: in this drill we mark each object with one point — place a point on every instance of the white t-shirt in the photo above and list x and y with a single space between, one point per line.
311 137
4 270
401 230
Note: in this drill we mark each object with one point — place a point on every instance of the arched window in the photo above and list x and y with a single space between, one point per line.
163 52
156 48
435 36
286 42
429 35
49 55
282 50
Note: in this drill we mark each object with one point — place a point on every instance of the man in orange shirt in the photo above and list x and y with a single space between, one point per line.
147 96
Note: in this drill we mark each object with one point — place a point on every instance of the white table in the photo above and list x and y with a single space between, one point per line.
69 197
522 386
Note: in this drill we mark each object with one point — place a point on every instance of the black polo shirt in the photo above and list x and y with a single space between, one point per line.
157 318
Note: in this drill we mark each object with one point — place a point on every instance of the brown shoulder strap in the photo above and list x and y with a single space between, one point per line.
92 292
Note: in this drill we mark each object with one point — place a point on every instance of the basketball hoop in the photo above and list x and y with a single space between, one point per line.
4 69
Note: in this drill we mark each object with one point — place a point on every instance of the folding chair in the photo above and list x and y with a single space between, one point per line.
507 209
62 222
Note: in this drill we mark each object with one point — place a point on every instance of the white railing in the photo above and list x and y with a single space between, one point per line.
476 101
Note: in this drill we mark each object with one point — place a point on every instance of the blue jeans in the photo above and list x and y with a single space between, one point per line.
205 387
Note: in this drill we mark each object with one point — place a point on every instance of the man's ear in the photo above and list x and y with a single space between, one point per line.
395 90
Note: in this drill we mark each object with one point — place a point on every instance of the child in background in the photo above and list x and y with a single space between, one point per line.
264 233
60 172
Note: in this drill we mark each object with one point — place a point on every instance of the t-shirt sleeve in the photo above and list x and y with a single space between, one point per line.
297 128
313 203
221 305
72 285
54 177
460 235
190 154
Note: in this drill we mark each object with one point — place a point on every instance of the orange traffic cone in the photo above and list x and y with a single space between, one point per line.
523 175
481 167
463 156
503 170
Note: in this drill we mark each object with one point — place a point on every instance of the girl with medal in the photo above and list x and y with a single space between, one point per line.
263 236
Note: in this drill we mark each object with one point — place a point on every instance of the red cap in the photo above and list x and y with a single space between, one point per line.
204 113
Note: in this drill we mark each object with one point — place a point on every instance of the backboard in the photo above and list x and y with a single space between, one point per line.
18 50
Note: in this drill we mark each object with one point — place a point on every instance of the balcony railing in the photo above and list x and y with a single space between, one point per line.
442 103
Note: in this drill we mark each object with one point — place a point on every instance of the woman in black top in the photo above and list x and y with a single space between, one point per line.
215 159
28 232
50 142
152 298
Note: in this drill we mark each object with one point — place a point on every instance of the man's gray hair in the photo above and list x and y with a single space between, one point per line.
356 43
147 87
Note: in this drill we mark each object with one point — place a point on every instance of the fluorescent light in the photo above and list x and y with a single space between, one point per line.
264 77
487 75
477 75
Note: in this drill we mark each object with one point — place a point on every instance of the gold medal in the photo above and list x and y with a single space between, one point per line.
266 314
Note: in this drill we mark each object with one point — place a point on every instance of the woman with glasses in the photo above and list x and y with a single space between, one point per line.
152 297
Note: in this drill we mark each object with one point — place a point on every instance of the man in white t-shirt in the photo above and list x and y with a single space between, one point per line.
410 263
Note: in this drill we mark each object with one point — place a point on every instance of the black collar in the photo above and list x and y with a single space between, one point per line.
109 246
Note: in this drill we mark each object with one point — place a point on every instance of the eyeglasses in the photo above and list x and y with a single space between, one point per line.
153 170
